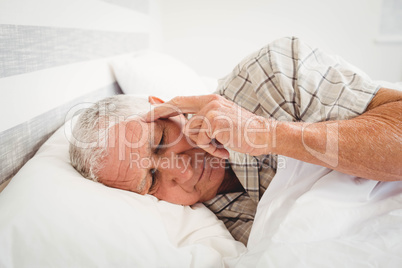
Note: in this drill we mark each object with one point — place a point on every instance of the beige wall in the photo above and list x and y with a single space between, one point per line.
213 35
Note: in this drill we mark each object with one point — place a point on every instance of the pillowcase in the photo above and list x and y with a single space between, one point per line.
157 74
52 217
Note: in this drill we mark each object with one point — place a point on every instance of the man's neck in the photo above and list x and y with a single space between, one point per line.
231 183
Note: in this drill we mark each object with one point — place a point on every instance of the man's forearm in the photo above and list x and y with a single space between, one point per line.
368 146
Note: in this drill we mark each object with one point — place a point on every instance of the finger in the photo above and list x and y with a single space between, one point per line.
194 124
208 127
179 105
212 149
218 152
164 110
155 100
205 132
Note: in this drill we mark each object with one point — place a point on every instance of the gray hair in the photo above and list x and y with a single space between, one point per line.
89 144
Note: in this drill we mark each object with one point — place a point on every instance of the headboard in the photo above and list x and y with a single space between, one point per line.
55 54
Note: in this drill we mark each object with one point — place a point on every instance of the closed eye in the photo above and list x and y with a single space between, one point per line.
154 171
161 143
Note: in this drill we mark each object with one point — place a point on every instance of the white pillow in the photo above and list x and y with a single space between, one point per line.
52 217
157 74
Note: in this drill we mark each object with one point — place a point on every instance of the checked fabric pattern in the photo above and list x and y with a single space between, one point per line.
289 81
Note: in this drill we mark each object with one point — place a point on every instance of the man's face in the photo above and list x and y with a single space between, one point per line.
156 158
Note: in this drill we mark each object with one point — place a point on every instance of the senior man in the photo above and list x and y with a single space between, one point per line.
285 99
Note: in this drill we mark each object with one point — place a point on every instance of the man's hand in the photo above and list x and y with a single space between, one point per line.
218 121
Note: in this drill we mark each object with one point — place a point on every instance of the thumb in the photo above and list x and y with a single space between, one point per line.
214 148
215 151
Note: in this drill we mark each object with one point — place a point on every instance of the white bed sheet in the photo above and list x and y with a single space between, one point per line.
311 216
52 217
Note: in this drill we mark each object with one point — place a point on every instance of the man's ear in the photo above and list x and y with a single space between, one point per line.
155 100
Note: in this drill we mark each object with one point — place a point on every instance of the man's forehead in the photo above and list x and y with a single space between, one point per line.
135 133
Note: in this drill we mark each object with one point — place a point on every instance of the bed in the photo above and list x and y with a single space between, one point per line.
50 216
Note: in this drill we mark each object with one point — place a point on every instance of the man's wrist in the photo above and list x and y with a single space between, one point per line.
265 136
284 137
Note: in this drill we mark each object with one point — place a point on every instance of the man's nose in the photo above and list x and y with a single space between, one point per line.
177 168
